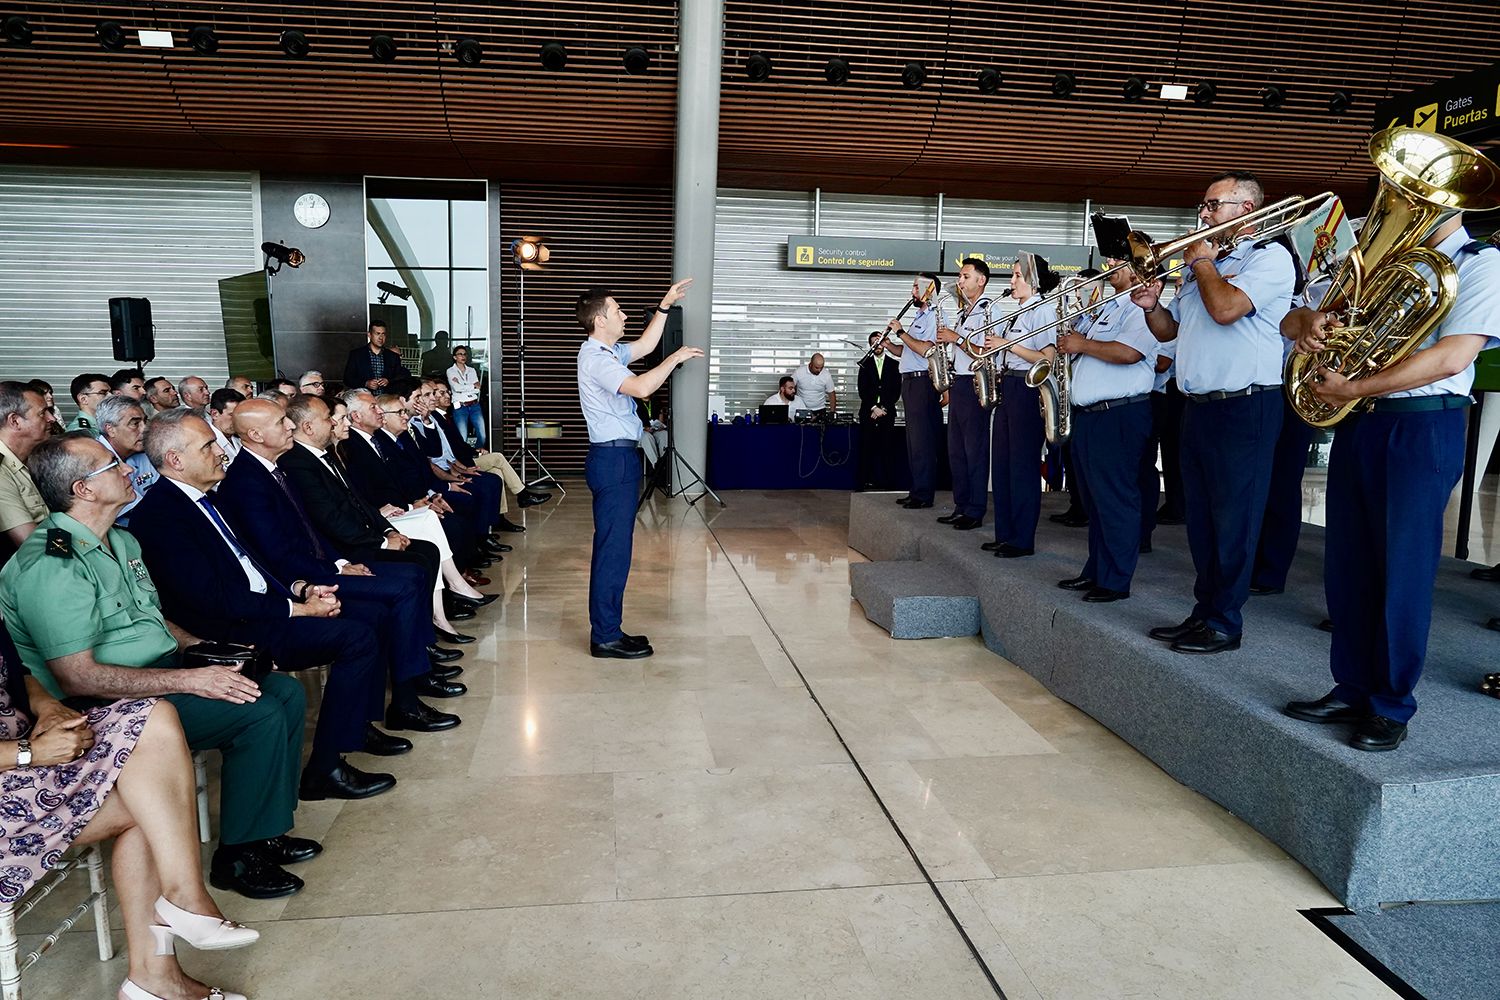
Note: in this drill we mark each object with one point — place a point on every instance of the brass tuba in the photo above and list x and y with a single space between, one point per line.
1382 291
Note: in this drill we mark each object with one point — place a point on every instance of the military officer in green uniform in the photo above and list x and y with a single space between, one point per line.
87 622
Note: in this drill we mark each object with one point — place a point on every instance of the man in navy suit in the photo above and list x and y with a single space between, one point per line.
488 491
214 588
264 510
372 365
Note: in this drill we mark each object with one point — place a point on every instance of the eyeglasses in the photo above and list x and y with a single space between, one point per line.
1214 204
393 412
93 392
306 384
98 472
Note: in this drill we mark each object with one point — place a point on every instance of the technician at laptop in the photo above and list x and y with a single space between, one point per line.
786 395
815 386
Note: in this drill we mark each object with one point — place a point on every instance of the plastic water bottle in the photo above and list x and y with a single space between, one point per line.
714 418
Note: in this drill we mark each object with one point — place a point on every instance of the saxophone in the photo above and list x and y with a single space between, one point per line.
939 356
986 374
1053 379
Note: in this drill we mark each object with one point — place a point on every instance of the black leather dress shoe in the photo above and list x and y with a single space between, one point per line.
457 638
1006 551
967 523
421 719
1325 709
446 671
1103 595
530 497
1490 573
247 871
919 505
456 612
1377 733
1265 591
500 546
437 654
1205 640
1079 582
949 518
481 564
903 501
506 524
1171 633
437 688
344 782
1072 522
1326 625
1071 514
635 640
492 550
991 546
463 600
379 744
620 649
288 850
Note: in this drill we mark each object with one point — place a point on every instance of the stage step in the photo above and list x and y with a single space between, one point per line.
915 600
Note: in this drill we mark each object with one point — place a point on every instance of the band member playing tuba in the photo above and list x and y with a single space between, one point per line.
1111 393
924 410
968 422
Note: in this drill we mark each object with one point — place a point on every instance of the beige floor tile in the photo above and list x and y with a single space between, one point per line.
903 720
945 849
711 662
767 727
589 733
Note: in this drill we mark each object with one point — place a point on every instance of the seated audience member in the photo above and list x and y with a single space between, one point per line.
23 426
122 429
472 460
464 385
815 385
87 391
120 771
488 492
786 395
220 416
129 382
311 383
241 384
193 392
211 586
161 394
265 512
88 624
43 388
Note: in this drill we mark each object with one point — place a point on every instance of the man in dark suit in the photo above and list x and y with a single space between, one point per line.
879 389
473 459
372 365
214 588
263 509
488 492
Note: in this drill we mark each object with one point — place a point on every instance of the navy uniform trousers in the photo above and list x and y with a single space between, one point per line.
1282 524
1227 446
1107 445
614 476
968 448
1166 408
1149 485
1389 479
924 425
1017 456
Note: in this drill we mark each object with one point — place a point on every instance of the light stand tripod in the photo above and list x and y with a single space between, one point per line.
669 468
524 449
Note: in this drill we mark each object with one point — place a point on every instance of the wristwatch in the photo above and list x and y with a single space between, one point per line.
23 753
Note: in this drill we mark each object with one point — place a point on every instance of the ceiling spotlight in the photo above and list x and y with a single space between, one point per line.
1135 88
468 52
17 30
1340 102
383 48
758 67
294 43
281 254
989 80
204 41
637 60
1204 92
837 71
1272 97
530 252
554 56
1063 84
110 35
913 75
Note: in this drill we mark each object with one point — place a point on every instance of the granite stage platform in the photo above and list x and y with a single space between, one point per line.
1422 823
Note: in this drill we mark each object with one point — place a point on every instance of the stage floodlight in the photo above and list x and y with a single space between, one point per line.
205 40
1272 97
1135 88
294 43
1340 102
637 60
383 48
468 52
530 252
989 80
1063 84
1174 91
1204 93
554 57
913 75
758 67
388 288
17 30
110 36
281 254
153 38
836 71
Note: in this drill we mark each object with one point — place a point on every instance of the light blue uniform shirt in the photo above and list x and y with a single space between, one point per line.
1034 319
609 414
1476 311
143 476
1095 380
978 317
1218 358
1164 350
923 327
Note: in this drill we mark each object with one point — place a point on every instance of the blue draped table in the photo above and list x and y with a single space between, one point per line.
796 457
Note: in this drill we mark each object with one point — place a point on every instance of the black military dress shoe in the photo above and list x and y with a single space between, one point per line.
1007 551
446 672
1079 582
501 546
379 744
1206 640
620 649
635 640
288 850
991 546
1103 595
530 497
1377 734
345 782
1325 709
949 518
437 688
1260 591
506 524
457 638
493 549
1490 573
1171 633
1071 514
437 654
246 870
966 523
421 719
919 505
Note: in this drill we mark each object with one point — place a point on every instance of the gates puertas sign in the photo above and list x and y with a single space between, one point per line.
1064 258
854 253
1466 107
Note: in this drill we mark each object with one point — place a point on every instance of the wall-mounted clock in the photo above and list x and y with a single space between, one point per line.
311 210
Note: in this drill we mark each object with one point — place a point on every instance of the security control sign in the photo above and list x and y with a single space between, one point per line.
853 253
1064 258
1466 107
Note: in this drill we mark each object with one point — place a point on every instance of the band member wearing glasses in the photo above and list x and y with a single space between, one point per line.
1390 474
1016 453
1227 322
968 422
924 411
1113 373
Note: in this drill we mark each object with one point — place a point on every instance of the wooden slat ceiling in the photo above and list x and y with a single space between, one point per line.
337 110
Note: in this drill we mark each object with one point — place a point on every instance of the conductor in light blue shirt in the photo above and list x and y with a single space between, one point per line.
607 391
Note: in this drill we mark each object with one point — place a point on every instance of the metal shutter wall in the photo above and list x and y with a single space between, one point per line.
70 240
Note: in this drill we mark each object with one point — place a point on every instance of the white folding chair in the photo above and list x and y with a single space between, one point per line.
200 776
11 967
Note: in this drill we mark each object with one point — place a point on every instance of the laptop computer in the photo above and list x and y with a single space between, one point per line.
774 414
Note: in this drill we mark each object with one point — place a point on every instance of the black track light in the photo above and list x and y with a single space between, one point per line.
554 57
1272 97
758 67
110 35
468 52
837 71
637 60
203 40
17 30
1204 92
1063 84
383 48
913 75
1135 88
989 80
294 43
1340 102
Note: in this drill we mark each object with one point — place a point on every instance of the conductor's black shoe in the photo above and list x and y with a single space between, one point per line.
251 873
1326 625
1079 582
1325 710
620 649
288 850
1377 733
457 638
380 744
1008 551
1171 633
530 497
420 718
991 546
439 688
345 782
949 518
966 523
437 654
506 524
1103 595
1260 591
635 640
1206 640
919 505
1490 573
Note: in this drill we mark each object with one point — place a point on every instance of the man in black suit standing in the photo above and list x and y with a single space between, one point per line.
214 588
879 389
372 365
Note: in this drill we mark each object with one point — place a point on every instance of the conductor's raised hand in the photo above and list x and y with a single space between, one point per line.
676 293
683 354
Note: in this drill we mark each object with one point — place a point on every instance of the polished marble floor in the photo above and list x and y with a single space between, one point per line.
756 812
